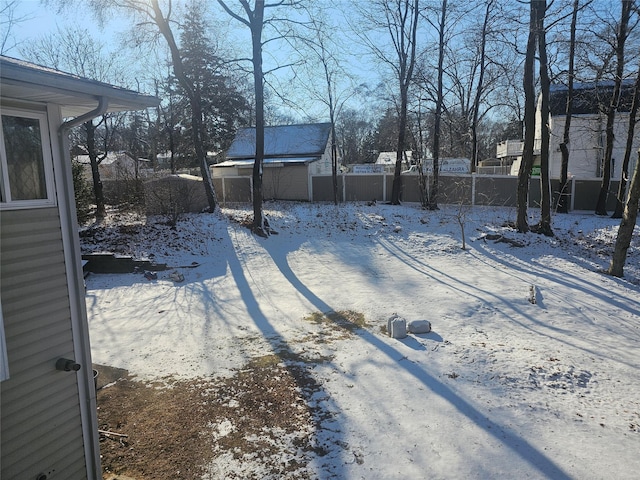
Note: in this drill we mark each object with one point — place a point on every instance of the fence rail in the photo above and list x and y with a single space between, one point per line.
453 189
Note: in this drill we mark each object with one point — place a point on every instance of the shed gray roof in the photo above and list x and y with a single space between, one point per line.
76 95
284 141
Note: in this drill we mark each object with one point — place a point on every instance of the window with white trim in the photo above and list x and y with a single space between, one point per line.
26 168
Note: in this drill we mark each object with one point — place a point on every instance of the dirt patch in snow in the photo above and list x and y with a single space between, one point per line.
257 424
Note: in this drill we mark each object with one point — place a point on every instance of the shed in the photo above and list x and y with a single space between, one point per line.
292 153
48 401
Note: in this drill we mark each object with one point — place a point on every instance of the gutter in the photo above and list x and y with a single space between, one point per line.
103 104
79 319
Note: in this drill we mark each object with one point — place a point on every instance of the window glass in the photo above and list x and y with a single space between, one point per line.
25 162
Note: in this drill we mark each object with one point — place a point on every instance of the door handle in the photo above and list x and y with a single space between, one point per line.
66 365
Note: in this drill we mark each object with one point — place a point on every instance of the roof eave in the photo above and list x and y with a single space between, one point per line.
76 95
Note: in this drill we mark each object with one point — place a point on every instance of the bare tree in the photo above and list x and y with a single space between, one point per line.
622 33
627 225
633 115
432 201
73 50
8 23
563 200
323 49
536 11
150 11
254 19
482 66
544 226
399 19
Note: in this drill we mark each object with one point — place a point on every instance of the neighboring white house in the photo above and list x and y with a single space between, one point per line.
48 418
588 130
292 153
117 166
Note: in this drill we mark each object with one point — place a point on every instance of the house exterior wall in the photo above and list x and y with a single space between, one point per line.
220 172
48 422
322 166
587 144
40 411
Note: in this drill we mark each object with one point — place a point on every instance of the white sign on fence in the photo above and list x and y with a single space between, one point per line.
368 168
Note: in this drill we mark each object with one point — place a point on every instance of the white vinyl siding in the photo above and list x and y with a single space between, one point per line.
40 410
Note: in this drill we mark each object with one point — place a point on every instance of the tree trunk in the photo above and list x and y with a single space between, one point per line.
434 193
402 126
544 226
563 197
625 231
524 174
334 160
478 96
98 189
621 37
260 226
194 101
633 114
406 57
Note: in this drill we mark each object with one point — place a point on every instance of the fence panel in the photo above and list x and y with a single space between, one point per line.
365 187
498 190
322 188
587 191
233 189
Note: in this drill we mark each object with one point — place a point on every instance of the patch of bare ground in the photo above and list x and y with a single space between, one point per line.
189 429
174 428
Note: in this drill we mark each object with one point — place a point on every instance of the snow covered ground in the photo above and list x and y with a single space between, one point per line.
502 387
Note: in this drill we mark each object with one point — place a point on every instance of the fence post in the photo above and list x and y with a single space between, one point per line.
344 187
384 186
473 189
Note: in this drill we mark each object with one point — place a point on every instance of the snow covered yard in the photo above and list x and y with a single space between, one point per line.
531 369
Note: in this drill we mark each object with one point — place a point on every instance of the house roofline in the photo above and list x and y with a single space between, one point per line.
24 80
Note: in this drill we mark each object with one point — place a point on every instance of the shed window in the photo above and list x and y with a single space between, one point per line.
25 167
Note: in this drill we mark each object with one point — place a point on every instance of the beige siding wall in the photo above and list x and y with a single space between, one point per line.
40 412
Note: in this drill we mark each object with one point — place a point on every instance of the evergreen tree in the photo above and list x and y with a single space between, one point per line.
224 108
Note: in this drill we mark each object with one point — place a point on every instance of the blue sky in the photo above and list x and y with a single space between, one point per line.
42 20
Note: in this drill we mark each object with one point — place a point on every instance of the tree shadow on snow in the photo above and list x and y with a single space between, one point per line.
519 445
322 445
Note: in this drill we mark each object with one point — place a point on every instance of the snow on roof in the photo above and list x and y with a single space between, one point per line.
389 158
282 141
248 162
112 157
